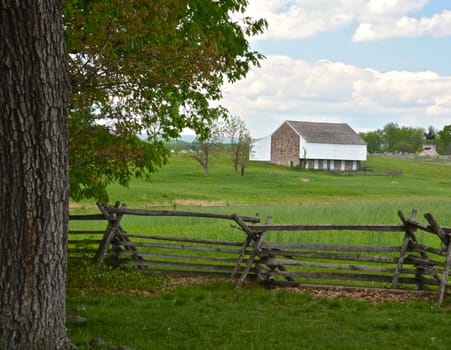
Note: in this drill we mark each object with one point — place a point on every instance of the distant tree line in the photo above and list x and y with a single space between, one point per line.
393 138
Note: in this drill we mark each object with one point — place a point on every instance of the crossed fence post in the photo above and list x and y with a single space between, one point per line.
113 231
446 242
411 225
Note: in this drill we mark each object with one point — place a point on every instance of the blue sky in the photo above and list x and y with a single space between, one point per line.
362 62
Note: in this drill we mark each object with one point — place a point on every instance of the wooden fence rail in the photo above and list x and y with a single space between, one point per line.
155 253
411 264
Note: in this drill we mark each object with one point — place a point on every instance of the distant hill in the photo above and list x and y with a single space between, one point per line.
187 138
182 138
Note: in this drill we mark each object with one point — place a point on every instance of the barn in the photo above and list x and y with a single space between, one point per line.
321 146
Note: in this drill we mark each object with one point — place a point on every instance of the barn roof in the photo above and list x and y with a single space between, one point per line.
334 133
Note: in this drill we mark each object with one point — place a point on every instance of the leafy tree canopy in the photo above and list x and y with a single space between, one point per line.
393 138
444 140
141 66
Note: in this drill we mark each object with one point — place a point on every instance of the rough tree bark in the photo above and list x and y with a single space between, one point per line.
34 91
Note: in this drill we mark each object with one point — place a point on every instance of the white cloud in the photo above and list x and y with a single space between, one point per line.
375 19
285 88
294 19
381 28
392 8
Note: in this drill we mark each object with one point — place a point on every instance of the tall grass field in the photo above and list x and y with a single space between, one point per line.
182 183
146 312
287 195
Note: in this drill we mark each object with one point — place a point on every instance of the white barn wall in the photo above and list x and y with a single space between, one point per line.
332 151
261 149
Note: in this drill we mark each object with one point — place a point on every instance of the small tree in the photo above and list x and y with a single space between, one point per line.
245 143
204 147
240 142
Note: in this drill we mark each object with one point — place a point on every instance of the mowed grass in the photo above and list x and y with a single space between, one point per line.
182 182
145 312
215 315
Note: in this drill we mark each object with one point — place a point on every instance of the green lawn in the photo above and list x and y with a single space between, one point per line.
215 315
182 182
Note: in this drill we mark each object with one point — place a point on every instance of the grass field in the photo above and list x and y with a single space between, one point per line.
145 312
182 183
289 196
214 315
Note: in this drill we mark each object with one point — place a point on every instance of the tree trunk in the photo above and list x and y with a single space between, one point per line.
34 91
206 159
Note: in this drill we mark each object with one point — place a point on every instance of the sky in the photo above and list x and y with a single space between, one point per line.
366 63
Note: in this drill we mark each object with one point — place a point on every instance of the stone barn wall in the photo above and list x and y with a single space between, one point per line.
285 146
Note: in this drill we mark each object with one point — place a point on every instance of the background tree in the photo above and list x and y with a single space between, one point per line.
204 147
240 142
393 138
402 139
34 93
391 135
153 67
245 142
444 140
374 141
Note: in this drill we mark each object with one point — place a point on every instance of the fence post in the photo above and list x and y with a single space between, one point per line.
410 235
410 226
444 237
257 245
250 236
112 228
241 257
445 276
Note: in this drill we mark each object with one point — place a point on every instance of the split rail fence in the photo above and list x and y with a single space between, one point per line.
408 265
